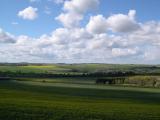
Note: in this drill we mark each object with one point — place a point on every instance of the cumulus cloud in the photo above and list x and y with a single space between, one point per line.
83 46
6 37
116 52
80 6
114 38
151 54
74 11
69 19
123 23
116 23
28 13
97 24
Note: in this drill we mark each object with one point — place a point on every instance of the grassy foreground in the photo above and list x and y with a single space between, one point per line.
49 101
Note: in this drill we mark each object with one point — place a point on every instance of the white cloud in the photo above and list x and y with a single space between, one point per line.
28 13
128 41
123 23
6 37
117 23
132 14
74 10
116 52
80 6
82 46
69 19
97 24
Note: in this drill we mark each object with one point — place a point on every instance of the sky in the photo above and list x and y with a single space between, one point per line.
80 31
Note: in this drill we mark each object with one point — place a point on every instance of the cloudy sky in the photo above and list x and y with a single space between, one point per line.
80 31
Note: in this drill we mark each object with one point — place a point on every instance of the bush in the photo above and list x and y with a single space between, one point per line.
144 81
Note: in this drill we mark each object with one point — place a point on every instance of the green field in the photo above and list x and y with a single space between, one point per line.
80 68
28 100
77 98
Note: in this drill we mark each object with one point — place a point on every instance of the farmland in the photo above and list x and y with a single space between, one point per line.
75 95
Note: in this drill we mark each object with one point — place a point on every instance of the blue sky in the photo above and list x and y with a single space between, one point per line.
10 8
108 31
146 10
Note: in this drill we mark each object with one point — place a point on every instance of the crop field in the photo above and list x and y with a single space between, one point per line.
31 68
76 97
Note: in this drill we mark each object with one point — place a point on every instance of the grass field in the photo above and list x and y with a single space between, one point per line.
77 98
31 68
80 68
29 100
